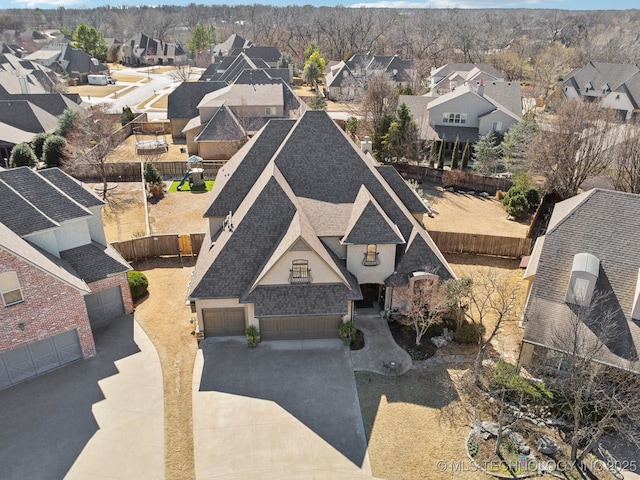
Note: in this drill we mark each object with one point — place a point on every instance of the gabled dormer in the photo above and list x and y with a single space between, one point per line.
371 240
584 274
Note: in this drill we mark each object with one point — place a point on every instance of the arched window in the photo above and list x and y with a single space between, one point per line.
10 288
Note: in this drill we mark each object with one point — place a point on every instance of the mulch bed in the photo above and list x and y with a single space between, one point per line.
357 341
406 339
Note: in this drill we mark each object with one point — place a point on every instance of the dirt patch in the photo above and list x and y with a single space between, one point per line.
97 91
179 212
123 216
459 212
164 316
126 151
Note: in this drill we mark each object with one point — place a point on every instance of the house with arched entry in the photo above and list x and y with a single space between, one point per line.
302 224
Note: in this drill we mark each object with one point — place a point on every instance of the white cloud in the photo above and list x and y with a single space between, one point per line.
46 3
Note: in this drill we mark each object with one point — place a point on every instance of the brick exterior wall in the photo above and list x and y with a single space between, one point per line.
50 307
110 282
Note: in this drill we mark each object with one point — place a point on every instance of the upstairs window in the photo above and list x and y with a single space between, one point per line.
300 272
10 288
371 256
270 111
454 118
496 127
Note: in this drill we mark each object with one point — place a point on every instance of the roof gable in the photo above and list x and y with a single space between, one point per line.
20 215
223 126
183 101
72 187
369 224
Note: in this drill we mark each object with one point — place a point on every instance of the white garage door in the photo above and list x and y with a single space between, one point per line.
39 357
104 305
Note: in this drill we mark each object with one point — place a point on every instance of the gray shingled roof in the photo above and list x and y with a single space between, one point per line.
236 178
26 116
597 73
255 236
183 101
223 126
408 196
94 262
19 215
268 54
72 187
603 223
52 103
506 94
308 299
369 224
43 195
418 256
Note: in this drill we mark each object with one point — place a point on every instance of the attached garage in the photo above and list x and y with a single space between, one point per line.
224 322
300 328
39 357
104 305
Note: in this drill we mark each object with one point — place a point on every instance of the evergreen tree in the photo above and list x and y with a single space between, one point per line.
441 153
454 155
317 103
465 157
91 41
67 122
432 153
38 142
486 153
22 156
53 151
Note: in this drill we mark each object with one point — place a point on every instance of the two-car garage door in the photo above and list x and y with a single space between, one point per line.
300 328
39 357
221 322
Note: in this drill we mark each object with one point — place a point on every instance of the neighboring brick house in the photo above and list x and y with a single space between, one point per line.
58 275
144 50
301 225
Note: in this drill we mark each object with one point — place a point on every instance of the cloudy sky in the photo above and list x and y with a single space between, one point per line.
559 4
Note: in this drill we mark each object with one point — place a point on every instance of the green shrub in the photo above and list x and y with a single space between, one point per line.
472 445
38 142
468 333
53 151
253 336
138 283
346 332
22 156
517 388
516 204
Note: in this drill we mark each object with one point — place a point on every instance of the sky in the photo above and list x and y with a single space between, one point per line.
556 4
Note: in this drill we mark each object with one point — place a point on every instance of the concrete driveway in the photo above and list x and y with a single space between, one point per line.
101 418
284 410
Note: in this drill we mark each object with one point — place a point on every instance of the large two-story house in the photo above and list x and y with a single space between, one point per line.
302 224
59 277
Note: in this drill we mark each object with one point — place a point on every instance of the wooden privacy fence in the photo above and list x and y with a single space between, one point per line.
458 179
132 171
159 245
453 242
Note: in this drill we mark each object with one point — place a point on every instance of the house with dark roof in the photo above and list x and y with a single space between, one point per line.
64 58
182 104
302 224
18 75
615 85
447 77
144 50
24 116
59 278
228 68
345 78
229 115
584 286
233 42
467 112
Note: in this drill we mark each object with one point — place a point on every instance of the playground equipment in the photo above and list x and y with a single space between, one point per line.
195 174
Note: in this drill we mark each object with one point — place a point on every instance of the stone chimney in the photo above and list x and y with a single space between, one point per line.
481 88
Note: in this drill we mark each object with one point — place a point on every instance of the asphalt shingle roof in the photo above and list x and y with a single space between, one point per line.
43 195
408 196
19 215
71 187
94 262
237 177
52 103
369 224
26 116
603 223
223 126
183 101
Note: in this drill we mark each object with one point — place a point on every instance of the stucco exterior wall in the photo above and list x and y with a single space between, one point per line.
336 247
50 307
218 150
320 271
73 234
45 240
618 101
96 228
177 125
486 122
374 274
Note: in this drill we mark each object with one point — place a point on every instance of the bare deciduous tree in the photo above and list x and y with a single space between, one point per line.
572 146
624 170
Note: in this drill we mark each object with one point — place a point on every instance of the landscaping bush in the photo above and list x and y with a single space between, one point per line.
347 331
516 204
468 333
500 195
517 388
22 156
53 151
138 284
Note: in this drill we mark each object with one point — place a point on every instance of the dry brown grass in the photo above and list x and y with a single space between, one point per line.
97 91
164 316
126 151
121 77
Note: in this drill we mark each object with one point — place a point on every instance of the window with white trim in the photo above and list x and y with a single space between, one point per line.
270 110
496 127
10 288
454 118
